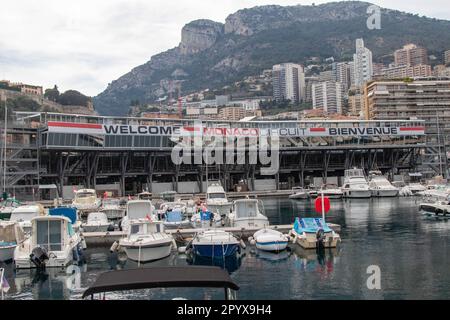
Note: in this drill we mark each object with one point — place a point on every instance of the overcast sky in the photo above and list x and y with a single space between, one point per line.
85 44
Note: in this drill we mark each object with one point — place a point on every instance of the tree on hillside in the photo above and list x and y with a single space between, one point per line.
73 98
52 94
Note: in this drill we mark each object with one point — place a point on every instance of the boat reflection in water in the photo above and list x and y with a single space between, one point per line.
231 263
48 284
320 260
273 256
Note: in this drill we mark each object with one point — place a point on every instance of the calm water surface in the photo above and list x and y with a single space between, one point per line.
412 252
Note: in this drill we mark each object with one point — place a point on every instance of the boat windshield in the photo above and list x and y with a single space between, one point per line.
217 196
246 209
48 235
85 195
111 202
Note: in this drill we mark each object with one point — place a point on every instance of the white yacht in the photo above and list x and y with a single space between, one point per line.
216 200
112 208
96 222
146 241
355 184
53 243
299 193
331 191
138 209
86 200
11 235
246 213
380 186
23 215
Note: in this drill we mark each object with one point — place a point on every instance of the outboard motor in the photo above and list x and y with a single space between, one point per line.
39 257
320 236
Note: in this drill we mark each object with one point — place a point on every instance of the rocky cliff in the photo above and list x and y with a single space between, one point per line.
212 54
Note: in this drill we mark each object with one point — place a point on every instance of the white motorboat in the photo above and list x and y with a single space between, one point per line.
7 207
96 222
246 214
205 219
437 208
53 243
214 243
23 215
299 193
270 240
355 184
380 186
331 191
312 233
216 200
146 241
138 209
86 200
11 235
416 187
112 209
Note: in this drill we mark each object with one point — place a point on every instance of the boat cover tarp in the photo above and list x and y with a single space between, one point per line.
162 277
174 216
70 213
310 225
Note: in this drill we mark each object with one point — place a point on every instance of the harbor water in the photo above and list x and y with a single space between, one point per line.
412 253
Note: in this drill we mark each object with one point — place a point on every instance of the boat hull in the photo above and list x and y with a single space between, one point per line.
114 214
254 223
177 225
5 215
271 246
299 196
385 193
215 250
309 240
147 253
96 228
357 194
333 195
7 253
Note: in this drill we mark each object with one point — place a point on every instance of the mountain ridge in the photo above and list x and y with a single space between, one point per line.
212 54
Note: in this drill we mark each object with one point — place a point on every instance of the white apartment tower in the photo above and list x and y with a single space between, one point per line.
362 60
327 96
289 82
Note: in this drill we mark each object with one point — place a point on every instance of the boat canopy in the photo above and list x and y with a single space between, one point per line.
310 225
162 277
174 216
67 212
10 233
139 209
246 208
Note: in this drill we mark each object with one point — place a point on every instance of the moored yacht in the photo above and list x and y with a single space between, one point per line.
380 186
331 191
146 241
355 184
246 213
53 243
312 233
216 200
138 209
86 200
23 215
299 193
112 208
214 244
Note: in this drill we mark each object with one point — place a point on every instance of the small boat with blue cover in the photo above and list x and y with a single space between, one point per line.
311 233
175 219
215 244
